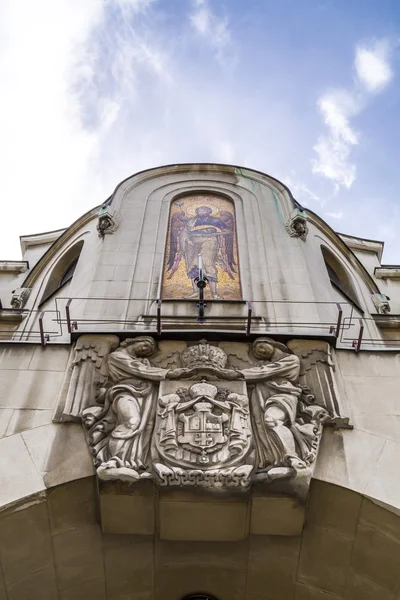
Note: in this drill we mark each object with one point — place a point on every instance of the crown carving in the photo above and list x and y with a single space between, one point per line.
205 390
203 355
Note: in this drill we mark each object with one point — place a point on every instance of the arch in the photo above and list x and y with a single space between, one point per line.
339 276
62 271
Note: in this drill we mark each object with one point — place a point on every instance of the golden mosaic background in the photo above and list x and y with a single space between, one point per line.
179 286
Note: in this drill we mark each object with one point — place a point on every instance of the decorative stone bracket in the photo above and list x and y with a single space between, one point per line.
107 221
381 303
296 225
20 297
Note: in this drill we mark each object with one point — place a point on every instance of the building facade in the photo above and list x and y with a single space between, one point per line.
199 398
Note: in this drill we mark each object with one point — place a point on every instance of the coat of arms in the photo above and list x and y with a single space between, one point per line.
203 432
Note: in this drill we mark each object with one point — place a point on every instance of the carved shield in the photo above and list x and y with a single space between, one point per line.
202 425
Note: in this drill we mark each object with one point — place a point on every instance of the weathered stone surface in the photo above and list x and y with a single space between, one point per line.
362 588
128 514
50 358
86 590
5 418
129 565
377 557
305 592
78 555
202 521
25 543
381 519
334 508
18 475
384 484
41 584
24 419
16 357
276 516
324 559
272 565
348 458
59 453
72 505
29 389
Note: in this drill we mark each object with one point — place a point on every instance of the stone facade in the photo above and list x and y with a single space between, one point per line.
248 455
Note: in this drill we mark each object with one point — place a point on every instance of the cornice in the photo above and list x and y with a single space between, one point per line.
14 266
11 315
386 321
356 243
387 272
38 239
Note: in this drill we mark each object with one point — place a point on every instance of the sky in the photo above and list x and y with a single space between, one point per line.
93 91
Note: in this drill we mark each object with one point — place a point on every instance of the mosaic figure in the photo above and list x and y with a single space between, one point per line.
202 225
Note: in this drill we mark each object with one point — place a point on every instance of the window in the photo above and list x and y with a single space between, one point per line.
62 272
69 273
339 277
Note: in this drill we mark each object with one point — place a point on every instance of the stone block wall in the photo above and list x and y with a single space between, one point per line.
52 548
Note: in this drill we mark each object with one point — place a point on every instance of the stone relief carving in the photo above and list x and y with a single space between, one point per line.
317 375
287 427
381 303
208 415
296 225
203 434
107 221
119 427
20 297
88 369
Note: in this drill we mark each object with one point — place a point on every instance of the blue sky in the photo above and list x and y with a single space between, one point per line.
305 90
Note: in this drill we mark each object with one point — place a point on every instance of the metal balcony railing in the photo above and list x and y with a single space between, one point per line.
339 323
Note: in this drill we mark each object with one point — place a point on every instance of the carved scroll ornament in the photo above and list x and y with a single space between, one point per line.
207 415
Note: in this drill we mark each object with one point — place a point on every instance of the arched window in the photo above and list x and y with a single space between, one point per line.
62 272
339 277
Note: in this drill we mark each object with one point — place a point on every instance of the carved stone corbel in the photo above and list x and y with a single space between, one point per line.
296 225
107 221
20 297
381 303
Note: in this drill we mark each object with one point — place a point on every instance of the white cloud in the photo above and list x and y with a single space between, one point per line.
372 66
338 107
333 149
66 76
214 29
300 190
335 215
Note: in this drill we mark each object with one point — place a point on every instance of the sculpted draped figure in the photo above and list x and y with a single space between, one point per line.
120 426
287 427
